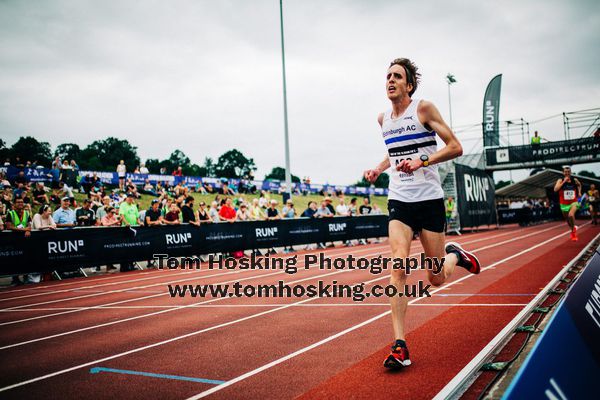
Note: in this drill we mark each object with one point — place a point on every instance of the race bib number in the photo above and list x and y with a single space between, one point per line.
411 177
569 195
592 199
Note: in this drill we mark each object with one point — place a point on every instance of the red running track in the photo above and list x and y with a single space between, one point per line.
53 334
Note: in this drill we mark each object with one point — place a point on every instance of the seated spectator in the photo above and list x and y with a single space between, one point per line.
288 211
310 210
203 214
365 208
43 220
208 187
227 213
342 209
188 215
199 188
214 211
1 224
129 212
85 215
256 212
243 214
4 183
20 179
66 190
180 189
39 194
96 194
225 189
110 218
272 211
148 188
323 211
131 188
153 216
64 216
172 217
263 200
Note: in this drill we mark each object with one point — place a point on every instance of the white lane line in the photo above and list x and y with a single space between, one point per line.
258 275
228 383
170 309
343 250
352 328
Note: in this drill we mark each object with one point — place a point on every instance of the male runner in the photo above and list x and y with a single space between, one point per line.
416 198
569 190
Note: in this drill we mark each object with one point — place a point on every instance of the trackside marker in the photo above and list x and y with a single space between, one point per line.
96 370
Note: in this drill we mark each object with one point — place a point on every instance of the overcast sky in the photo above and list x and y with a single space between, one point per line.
205 76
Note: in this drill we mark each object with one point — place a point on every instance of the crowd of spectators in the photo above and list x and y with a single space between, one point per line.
30 206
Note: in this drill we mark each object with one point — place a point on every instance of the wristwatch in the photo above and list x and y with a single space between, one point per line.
425 159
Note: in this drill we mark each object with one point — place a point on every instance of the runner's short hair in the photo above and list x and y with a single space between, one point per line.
412 75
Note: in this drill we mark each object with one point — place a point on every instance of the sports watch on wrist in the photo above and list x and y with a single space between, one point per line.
425 159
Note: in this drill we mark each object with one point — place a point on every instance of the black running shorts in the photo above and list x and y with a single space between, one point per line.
429 214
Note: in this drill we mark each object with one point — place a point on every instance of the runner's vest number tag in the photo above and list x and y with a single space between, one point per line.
592 199
569 195
412 177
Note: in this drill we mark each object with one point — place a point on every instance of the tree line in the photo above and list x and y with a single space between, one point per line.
105 154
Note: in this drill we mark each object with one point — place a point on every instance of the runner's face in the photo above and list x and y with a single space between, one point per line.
396 85
567 171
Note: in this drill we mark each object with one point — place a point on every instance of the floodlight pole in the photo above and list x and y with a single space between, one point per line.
450 79
288 179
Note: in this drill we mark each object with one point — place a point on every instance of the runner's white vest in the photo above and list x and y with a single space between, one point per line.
406 138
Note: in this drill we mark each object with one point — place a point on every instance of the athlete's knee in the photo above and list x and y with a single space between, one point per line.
397 277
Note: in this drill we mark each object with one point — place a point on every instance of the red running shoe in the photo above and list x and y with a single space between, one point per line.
398 358
466 259
574 234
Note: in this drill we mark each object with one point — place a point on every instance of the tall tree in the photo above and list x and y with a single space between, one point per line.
104 155
68 151
233 164
4 151
29 149
589 174
278 173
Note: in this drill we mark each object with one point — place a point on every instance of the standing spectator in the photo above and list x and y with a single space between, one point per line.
203 214
310 210
188 214
329 205
143 169
101 211
178 172
450 205
153 216
39 194
227 213
110 218
64 216
19 219
85 215
365 208
163 170
288 211
43 220
256 211
272 211
243 214
129 212
121 172
214 211
352 210
172 217
536 139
